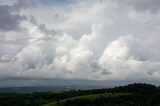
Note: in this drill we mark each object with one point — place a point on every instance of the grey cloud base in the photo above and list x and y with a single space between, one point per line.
9 19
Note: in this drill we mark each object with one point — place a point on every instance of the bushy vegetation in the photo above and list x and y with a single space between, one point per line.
137 94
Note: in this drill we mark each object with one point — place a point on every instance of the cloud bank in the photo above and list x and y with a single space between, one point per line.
87 39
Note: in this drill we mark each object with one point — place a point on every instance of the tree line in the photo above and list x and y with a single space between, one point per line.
142 95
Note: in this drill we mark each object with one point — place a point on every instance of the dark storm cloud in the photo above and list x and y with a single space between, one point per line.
56 2
9 20
9 14
96 67
143 5
24 4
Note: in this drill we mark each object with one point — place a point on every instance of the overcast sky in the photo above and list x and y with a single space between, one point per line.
80 39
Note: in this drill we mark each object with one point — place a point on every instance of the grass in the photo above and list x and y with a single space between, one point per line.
91 97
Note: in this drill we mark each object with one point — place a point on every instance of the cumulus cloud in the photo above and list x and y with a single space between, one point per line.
98 40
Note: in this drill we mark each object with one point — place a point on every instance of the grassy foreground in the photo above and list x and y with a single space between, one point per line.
90 98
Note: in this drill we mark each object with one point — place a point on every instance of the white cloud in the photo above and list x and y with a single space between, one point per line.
85 40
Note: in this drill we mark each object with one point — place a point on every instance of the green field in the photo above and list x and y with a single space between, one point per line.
91 98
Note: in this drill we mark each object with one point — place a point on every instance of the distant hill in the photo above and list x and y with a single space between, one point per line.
57 88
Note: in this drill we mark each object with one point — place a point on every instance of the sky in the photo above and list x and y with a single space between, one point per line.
108 40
